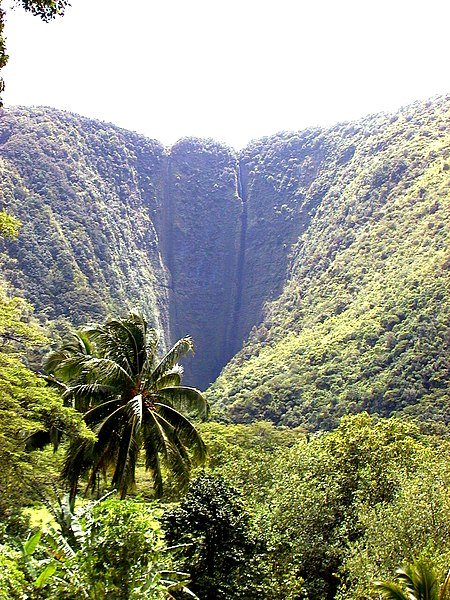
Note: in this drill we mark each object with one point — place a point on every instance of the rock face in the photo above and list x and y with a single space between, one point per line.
362 320
275 175
200 240
292 242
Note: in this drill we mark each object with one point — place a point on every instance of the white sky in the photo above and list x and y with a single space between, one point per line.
233 70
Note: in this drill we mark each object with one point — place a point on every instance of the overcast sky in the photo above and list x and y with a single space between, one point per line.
233 70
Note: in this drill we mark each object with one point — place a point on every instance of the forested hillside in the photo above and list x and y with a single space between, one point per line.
313 268
328 247
84 193
363 320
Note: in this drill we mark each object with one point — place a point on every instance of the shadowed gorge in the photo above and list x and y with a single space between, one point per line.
113 220
322 251
201 238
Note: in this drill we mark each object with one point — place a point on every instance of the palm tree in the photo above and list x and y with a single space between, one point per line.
417 581
132 400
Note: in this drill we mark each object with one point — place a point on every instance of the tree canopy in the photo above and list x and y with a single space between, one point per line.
45 9
131 398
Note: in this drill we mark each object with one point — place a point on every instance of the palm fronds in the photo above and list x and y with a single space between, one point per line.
131 401
390 590
184 398
419 580
123 341
185 431
67 362
170 359
416 581
170 378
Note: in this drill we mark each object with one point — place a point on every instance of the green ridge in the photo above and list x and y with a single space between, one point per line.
363 319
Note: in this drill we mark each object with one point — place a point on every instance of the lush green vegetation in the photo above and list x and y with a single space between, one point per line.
346 478
362 322
314 517
330 244
27 408
84 194
131 398
278 513
332 514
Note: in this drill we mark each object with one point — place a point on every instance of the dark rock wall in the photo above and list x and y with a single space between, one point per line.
200 241
275 175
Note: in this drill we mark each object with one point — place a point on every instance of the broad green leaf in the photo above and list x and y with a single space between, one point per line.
30 545
45 575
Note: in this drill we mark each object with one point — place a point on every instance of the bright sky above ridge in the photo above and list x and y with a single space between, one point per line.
233 70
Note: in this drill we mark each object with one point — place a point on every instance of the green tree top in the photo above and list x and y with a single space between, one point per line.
133 399
45 9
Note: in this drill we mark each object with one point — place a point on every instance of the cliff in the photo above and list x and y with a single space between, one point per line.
322 251
362 322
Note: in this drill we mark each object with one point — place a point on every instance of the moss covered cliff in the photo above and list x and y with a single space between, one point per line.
324 251
363 319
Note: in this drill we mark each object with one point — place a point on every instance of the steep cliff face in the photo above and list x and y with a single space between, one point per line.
362 322
200 241
277 174
112 220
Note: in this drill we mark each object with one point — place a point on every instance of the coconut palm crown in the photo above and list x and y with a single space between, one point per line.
132 400
416 581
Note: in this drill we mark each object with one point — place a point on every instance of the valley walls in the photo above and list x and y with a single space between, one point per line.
314 265
194 235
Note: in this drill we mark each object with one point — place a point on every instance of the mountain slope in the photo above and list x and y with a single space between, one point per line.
84 196
363 320
325 251
112 220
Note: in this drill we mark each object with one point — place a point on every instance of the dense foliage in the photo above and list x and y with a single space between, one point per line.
340 234
363 320
221 548
339 510
344 232
316 517
27 407
84 195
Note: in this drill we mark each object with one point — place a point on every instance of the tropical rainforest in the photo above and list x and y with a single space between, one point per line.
225 375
